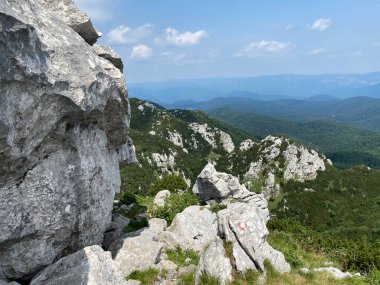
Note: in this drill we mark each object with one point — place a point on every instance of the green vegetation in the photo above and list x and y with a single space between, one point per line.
208 280
181 257
146 277
345 145
186 279
174 204
173 183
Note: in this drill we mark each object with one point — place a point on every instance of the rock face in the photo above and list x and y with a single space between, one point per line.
107 53
338 274
64 117
214 262
139 250
160 198
91 266
244 224
213 185
67 12
194 228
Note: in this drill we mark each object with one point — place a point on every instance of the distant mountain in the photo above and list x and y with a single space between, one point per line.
270 87
360 112
346 146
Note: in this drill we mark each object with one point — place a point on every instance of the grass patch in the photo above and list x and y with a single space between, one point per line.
180 256
146 277
208 280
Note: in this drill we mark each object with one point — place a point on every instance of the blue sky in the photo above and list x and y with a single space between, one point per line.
167 39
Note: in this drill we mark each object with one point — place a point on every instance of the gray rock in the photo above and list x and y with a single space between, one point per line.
91 266
64 117
160 198
254 170
167 265
304 270
108 53
213 185
271 189
194 228
115 230
2 282
244 224
139 250
213 262
191 268
133 282
67 12
338 274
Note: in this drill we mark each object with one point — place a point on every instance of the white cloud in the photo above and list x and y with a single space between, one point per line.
141 52
262 48
126 35
171 56
321 24
317 51
181 39
289 27
377 44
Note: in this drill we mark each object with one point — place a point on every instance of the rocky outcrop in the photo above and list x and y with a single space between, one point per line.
91 266
139 250
64 118
337 273
246 145
214 262
115 230
107 53
160 198
214 185
213 136
271 189
76 19
244 224
193 228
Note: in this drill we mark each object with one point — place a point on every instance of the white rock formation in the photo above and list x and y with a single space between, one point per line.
246 145
302 164
270 188
213 185
139 250
67 12
175 138
194 228
213 262
108 53
164 161
210 135
91 266
64 118
160 198
337 273
244 224
254 170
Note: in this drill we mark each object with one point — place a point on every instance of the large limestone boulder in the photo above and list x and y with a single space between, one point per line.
213 262
244 224
139 250
160 198
90 266
67 12
193 228
219 186
64 117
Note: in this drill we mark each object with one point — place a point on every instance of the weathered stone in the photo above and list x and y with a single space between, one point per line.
2 282
244 224
254 170
139 250
338 274
108 53
213 262
160 198
194 228
302 164
133 282
67 12
271 189
246 145
64 118
213 185
91 266
115 230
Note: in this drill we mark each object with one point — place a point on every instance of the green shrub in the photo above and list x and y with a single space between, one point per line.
135 225
186 279
373 278
146 277
128 198
174 204
170 182
179 256
208 280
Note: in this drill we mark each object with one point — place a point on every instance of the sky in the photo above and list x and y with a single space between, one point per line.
181 39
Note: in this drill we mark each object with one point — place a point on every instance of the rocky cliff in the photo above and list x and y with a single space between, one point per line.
64 119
